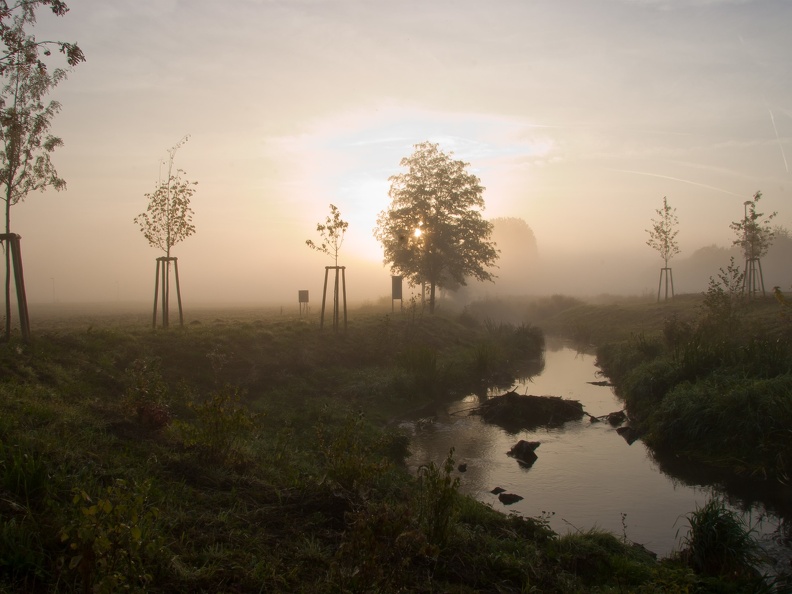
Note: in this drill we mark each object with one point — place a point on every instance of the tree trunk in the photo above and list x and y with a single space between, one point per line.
431 297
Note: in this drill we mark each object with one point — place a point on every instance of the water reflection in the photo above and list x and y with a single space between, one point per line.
586 474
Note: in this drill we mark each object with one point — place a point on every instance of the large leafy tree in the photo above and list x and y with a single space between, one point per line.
434 232
25 116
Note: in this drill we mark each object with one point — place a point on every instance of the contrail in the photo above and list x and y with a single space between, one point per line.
780 145
684 181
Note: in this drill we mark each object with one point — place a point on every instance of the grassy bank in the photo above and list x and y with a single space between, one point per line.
254 455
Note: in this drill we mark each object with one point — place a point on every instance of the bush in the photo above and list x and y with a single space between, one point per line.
219 427
719 544
112 539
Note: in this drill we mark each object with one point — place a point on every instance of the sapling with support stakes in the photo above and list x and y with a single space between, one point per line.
25 121
662 238
166 222
754 236
332 233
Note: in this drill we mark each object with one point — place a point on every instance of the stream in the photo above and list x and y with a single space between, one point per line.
586 475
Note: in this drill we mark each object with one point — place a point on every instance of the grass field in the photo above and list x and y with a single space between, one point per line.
251 451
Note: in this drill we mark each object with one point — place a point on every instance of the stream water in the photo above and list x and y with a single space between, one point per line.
586 474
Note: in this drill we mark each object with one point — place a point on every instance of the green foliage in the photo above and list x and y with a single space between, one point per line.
723 303
595 556
742 423
351 456
220 425
437 498
23 559
23 474
433 232
168 217
719 543
332 234
112 540
147 394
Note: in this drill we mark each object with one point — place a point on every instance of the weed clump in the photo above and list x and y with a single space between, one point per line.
719 544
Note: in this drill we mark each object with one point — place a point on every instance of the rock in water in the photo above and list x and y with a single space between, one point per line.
509 498
523 452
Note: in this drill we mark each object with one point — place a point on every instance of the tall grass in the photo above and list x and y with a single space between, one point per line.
719 544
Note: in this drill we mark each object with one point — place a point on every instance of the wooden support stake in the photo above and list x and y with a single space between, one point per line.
162 288
668 274
12 241
336 304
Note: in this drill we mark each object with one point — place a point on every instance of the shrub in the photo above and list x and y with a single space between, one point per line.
147 393
112 539
220 425
719 543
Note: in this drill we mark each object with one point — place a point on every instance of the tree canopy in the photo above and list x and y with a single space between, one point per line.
332 234
662 235
434 232
19 46
168 217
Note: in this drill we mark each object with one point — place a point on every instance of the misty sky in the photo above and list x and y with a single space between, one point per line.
578 117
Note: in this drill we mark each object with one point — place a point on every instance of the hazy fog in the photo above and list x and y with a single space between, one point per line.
578 116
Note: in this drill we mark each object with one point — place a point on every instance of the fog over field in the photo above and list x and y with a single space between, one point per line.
578 117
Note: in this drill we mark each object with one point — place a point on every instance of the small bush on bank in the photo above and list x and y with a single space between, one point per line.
719 544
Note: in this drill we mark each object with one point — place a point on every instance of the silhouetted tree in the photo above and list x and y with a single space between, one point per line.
19 46
168 217
662 238
332 233
25 118
754 237
433 232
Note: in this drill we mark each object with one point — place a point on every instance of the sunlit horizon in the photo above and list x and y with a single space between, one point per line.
577 117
